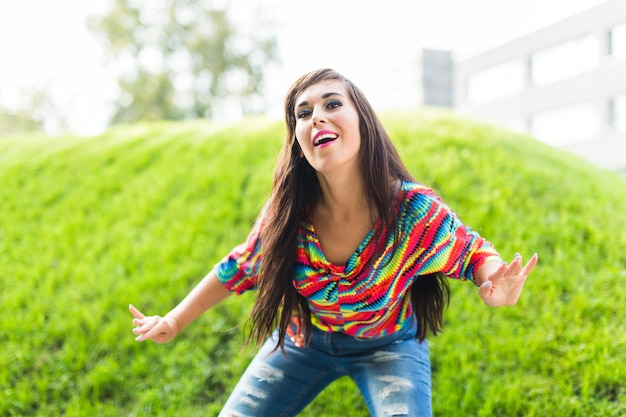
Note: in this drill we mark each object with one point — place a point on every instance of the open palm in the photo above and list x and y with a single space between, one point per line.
504 285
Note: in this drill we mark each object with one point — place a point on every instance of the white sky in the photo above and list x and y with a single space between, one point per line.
44 42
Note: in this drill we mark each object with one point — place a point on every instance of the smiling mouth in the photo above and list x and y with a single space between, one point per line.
325 138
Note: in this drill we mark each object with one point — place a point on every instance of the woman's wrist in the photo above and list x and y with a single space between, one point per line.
484 272
173 322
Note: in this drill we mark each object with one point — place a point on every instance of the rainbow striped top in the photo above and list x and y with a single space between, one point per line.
368 297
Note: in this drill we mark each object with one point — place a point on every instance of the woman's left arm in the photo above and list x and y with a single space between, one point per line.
500 284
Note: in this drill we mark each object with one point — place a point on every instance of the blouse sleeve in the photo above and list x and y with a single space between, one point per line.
238 270
446 244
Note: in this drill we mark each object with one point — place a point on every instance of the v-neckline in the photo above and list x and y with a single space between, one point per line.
343 270
348 268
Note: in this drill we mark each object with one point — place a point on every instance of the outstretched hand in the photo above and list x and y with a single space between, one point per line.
156 328
503 286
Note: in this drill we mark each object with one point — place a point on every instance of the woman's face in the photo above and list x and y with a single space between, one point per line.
327 127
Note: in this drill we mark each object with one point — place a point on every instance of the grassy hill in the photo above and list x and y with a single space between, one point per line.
141 213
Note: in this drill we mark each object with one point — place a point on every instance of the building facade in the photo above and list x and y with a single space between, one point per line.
565 84
425 81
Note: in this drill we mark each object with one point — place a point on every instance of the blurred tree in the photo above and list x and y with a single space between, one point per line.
34 110
181 59
13 121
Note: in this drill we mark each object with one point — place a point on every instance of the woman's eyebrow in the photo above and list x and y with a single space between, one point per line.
332 93
324 96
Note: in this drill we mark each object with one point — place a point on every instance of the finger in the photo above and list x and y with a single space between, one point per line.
156 332
136 313
500 272
146 324
530 265
484 291
512 269
515 267
141 331
298 341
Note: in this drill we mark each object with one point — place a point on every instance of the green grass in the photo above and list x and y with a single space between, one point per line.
140 214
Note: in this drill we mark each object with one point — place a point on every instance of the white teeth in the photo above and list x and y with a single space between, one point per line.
324 138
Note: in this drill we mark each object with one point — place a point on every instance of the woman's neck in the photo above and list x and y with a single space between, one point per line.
343 197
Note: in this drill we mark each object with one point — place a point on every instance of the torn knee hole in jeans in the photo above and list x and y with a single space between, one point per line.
266 373
396 410
384 356
394 385
251 396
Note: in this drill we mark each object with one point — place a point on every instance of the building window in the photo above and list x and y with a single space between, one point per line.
617 40
619 112
497 82
610 111
565 60
568 124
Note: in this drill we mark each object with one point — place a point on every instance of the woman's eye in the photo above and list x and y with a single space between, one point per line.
303 113
333 104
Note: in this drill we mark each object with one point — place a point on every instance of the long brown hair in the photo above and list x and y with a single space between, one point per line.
296 189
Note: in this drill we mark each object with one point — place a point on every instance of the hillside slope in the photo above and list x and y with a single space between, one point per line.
140 214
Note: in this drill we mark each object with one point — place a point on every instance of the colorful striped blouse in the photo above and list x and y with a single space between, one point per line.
368 297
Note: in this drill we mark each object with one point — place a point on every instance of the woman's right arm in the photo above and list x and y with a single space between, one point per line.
208 293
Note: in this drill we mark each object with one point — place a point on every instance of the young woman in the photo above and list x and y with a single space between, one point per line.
349 259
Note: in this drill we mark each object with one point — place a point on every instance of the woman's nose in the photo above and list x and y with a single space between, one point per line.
318 117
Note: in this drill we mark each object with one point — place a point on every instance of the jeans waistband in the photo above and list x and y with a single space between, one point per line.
336 341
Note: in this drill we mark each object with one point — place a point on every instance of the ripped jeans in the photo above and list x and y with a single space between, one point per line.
392 372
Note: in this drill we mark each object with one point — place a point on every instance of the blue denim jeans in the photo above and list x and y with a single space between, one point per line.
392 372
